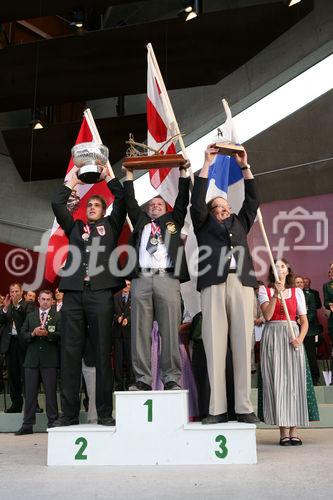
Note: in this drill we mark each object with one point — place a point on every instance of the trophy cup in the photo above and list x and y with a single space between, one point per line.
225 146
140 160
90 158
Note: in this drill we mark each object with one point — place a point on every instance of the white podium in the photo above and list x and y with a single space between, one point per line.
152 428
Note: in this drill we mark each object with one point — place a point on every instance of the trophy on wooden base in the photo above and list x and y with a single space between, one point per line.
137 159
225 146
90 158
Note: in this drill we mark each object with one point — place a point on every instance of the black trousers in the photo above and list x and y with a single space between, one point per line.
122 358
200 373
310 347
14 361
95 309
49 379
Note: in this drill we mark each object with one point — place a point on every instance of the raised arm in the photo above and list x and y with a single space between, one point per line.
248 212
59 204
133 209
180 208
118 214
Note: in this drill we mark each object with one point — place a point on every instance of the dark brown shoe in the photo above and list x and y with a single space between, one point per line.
215 419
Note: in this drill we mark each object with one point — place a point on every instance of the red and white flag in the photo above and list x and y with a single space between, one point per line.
162 125
58 242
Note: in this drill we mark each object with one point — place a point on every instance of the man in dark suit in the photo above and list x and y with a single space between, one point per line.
12 316
307 286
121 333
41 333
88 295
160 267
226 281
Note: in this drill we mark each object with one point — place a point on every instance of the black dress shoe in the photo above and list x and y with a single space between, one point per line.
106 421
139 386
39 410
13 409
171 386
65 421
215 419
247 418
23 431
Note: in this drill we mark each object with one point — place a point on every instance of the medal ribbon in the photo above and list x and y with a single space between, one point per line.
155 230
86 229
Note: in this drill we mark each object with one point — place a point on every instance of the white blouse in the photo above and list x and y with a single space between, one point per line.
300 298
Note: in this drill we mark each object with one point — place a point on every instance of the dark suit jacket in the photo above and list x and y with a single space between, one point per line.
311 308
328 298
172 239
42 352
212 234
107 229
317 297
124 310
17 315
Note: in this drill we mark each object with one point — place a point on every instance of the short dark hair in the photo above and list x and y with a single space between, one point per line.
289 278
16 284
100 198
48 292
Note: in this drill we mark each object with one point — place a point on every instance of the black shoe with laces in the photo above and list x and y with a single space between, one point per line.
23 431
106 421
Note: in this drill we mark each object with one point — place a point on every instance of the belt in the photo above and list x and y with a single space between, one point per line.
156 270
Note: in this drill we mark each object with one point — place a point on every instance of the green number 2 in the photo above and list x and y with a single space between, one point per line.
223 451
84 443
149 404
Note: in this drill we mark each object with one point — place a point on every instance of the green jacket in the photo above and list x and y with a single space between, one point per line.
42 352
328 298
311 306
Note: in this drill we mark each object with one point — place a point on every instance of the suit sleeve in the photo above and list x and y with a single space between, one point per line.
60 210
25 332
327 297
118 214
248 212
180 208
199 210
55 336
133 209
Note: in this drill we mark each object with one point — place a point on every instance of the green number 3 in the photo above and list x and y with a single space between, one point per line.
223 451
84 443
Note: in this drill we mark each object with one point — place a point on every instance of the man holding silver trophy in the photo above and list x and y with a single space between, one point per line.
88 282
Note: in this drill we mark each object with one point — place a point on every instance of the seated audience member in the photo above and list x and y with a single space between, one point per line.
12 315
41 333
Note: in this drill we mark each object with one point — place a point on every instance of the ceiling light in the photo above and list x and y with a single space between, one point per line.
191 15
37 124
293 2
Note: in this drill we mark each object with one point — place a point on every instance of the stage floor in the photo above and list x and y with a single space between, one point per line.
295 472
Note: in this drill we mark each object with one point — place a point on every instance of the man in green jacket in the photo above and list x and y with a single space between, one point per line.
41 333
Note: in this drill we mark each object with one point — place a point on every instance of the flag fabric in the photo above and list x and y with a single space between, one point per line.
58 241
161 126
225 177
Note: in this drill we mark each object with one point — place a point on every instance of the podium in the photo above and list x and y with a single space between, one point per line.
152 428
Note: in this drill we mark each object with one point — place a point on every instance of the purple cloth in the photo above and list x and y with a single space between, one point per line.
187 379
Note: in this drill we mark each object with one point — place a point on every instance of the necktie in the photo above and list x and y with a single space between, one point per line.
42 317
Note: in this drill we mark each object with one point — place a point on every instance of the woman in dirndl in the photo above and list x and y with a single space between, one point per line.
288 398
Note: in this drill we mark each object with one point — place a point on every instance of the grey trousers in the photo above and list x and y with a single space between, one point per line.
227 309
155 296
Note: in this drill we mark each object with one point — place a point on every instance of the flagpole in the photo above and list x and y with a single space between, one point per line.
166 98
97 138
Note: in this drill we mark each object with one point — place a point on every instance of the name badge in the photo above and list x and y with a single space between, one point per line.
51 328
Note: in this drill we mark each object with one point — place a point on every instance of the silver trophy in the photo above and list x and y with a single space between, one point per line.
90 158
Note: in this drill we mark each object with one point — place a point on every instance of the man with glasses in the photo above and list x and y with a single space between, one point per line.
226 281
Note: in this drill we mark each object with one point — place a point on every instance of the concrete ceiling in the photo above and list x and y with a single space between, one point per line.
69 70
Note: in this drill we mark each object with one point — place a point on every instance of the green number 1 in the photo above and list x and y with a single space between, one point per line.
84 443
223 451
149 403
